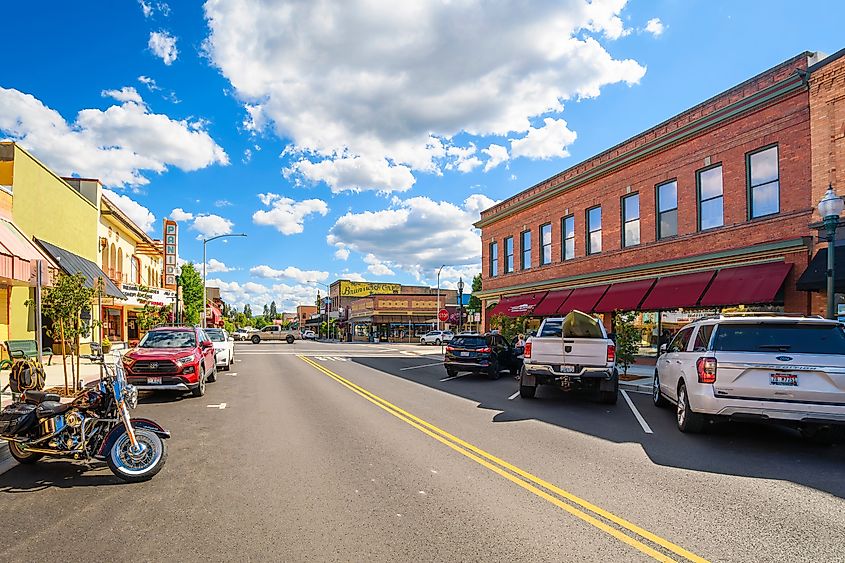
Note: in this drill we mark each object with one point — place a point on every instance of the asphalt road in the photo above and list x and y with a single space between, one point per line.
363 453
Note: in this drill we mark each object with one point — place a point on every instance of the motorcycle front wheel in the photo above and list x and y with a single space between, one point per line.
136 466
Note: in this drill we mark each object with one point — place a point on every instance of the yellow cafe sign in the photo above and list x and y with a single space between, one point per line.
365 289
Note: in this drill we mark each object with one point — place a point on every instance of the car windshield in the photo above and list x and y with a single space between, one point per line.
794 338
168 339
216 335
469 341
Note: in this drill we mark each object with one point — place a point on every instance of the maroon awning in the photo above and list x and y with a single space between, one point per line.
518 305
624 296
673 292
758 283
583 299
551 303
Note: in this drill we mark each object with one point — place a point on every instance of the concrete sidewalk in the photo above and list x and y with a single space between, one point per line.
645 381
55 376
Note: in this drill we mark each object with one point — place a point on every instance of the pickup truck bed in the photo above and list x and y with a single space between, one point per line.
572 353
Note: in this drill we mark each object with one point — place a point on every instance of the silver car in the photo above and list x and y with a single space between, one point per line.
437 337
758 367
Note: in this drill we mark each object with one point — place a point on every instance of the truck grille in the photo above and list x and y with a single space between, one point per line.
154 367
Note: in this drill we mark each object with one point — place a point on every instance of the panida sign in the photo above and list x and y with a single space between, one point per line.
139 295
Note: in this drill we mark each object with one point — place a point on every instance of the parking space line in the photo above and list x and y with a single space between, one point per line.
451 377
422 366
646 428
514 396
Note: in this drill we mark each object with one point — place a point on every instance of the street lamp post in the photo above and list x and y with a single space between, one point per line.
438 295
830 207
322 306
205 241
460 303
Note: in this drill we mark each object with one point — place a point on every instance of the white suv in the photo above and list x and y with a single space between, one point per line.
759 367
437 337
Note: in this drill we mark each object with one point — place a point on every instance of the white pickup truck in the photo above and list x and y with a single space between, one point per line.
274 333
573 353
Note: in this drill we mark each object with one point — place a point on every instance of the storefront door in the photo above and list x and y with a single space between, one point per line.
113 323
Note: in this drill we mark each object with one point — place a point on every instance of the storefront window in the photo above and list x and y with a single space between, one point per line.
631 220
594 230
710 211
667 209
568 233
546 241
526 250
494 259
509 255
764 182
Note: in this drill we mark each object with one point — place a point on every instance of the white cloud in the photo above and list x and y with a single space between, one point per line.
377 267
179 214
163 45
291 272
209 225
146 7
371 117
415 235
125 94
286 296
285 214
139 214
223 203
150 83
215 266
353 276
497 155
655 27
548 141
115 145
342 253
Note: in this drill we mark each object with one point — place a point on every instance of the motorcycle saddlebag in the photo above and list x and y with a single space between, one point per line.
16 419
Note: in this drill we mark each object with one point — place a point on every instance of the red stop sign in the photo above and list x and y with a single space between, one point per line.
443 315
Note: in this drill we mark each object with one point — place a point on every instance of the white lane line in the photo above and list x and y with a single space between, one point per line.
514 396
221 406
454 377
234 374
422 366
637 415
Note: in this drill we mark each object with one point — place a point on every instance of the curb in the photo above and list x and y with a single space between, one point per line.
6 460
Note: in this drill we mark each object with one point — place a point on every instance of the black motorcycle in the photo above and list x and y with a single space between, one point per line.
94 426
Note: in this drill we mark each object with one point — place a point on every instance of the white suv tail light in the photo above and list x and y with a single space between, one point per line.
706 368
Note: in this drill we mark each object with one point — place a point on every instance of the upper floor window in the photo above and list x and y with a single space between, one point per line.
667 209
594 230
763 182
631 220
526 250
710 204
546 241
567 232
135 270
494 259
509 255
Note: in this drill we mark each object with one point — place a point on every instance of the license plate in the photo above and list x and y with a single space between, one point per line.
784 379
463 353
153 381
567 369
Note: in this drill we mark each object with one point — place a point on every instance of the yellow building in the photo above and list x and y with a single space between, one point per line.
59 218
135 262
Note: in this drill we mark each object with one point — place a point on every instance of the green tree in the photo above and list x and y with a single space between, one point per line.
474 302
266 313
153 315
247 311
228 326
63 304
259 322
509 327
191 282
627 339
273 311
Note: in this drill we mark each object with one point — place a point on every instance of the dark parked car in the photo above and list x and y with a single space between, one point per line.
488 354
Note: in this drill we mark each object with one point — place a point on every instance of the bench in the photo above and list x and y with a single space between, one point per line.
22 349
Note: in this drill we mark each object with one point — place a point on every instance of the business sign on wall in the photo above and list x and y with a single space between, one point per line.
365 289
138 296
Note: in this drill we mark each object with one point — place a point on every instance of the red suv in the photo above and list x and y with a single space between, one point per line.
172 359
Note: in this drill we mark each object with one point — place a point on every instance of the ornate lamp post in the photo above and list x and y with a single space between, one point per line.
460 303
830 207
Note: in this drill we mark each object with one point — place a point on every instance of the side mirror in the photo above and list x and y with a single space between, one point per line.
662 348
207 344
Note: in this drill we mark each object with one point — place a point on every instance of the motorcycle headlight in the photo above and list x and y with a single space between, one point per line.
130 396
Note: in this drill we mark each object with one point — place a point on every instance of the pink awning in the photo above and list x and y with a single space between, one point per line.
519 305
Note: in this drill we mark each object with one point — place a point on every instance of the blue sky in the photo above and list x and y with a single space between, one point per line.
360 141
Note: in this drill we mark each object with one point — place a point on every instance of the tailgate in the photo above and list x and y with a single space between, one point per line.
585 351
547 350
817 378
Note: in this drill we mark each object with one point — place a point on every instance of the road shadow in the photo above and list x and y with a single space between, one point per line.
161 397
56 473
742 449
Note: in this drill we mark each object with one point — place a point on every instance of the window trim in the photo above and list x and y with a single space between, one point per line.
493 259
698 200
563 238
657 187
542 246
749 189
522 250
512 269
588 231
624 222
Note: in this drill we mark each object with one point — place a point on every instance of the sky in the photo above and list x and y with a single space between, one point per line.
360 139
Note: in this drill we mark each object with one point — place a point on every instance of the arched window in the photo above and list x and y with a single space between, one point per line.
112 261
105 252
135 271
119 265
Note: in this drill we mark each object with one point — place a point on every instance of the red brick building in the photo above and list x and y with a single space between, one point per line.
709 209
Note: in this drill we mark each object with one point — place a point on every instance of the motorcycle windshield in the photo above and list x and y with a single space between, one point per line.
119 385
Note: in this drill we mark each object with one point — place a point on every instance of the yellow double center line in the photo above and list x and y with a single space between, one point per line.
608 522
